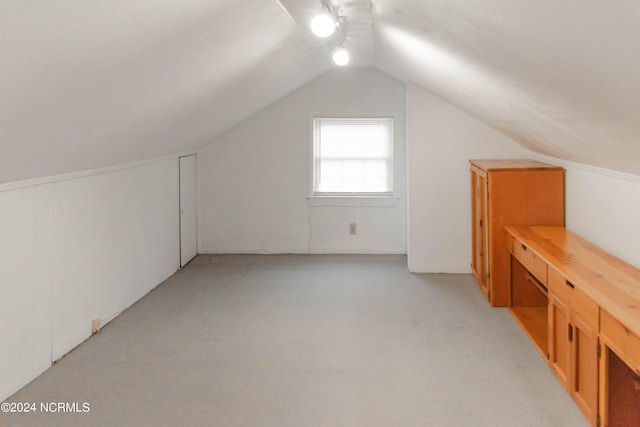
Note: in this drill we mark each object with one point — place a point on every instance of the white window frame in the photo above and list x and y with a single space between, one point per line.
353 199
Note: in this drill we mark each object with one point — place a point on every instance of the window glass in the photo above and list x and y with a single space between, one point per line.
353 156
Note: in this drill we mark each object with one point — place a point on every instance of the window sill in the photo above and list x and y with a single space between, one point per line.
379 201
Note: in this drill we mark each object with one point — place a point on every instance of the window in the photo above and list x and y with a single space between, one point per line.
352 156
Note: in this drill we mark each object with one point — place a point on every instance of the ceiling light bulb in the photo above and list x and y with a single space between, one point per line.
323 24
341 56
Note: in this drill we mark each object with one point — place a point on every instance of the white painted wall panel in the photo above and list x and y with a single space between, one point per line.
108 225
25 286
375 233
440 141
606 211
79 249
156 227
603 206
254 180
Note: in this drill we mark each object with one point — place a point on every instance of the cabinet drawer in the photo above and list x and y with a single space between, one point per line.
574 298
559 287
530 260
624 343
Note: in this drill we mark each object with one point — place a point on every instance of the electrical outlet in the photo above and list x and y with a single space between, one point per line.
353 228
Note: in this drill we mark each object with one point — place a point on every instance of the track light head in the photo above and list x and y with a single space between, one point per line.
323 24
341 56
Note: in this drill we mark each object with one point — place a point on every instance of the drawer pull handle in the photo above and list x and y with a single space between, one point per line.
569 284
524 248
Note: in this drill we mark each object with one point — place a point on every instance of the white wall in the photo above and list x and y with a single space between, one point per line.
603 206
78 249
440 141
254 180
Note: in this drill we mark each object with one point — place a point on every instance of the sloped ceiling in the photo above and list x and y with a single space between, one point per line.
559 77
85 84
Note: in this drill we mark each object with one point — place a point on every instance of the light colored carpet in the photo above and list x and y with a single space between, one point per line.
305 340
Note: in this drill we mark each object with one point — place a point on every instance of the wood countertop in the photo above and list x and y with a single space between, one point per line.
608 280
511 164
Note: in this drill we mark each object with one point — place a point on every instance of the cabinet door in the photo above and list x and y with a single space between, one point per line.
559 344
480 256
584 367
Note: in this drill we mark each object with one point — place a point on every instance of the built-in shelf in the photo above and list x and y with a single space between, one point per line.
533 321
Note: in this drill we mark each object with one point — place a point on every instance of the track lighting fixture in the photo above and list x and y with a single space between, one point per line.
324 24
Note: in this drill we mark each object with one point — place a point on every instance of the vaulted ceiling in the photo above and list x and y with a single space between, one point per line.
559 77
85 84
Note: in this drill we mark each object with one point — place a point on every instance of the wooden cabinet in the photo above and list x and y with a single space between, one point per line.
573 342
593 318
560 319
508 192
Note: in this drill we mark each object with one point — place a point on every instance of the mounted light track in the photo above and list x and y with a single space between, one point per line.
328 24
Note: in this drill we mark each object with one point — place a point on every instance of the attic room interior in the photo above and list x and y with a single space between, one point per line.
210 215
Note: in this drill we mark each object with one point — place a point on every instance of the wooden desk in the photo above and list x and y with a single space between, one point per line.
591 300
